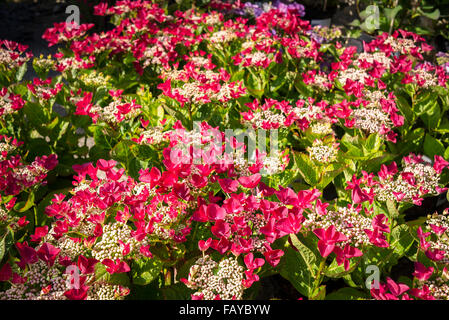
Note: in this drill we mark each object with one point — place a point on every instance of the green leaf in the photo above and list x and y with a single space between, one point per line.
76 234
392 210
443 127
36 115
307 169
319 294
434 15
21 72
6 242
302 87
99 95
122 152
2 248
391 14
402 239
23 206
101 274
355 23
373 143
446 155
278 82
405 108
432 116
337 271
433 146
178 291
145 152
255 84
412 141
177 115
144 271
101 140
300 266
425 103
329 175
97 152
37 147
237 76
347 294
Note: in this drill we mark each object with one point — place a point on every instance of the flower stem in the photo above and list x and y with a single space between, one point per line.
319 277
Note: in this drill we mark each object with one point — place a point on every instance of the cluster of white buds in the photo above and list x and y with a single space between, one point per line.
6 106
5 148
323 153
424 181
300 50
327 33
110 113
322 82
241 165
17 292
174 74
438 288
345 220
27 175
95 79
222 37
439 220
211 278
378 56
372 120
273 165
227 91
44 93
191 91
105 291
44 63
248 44
153 135
194 92
68 247
402 45
308 112
371 117
42 283
425 78
374 98
83 185
72 63
165 220
200 61
109 247
256 58
256 221
11 59
140 187
322 128
212 19
3 215
154 55
260 119
438 225
353 74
